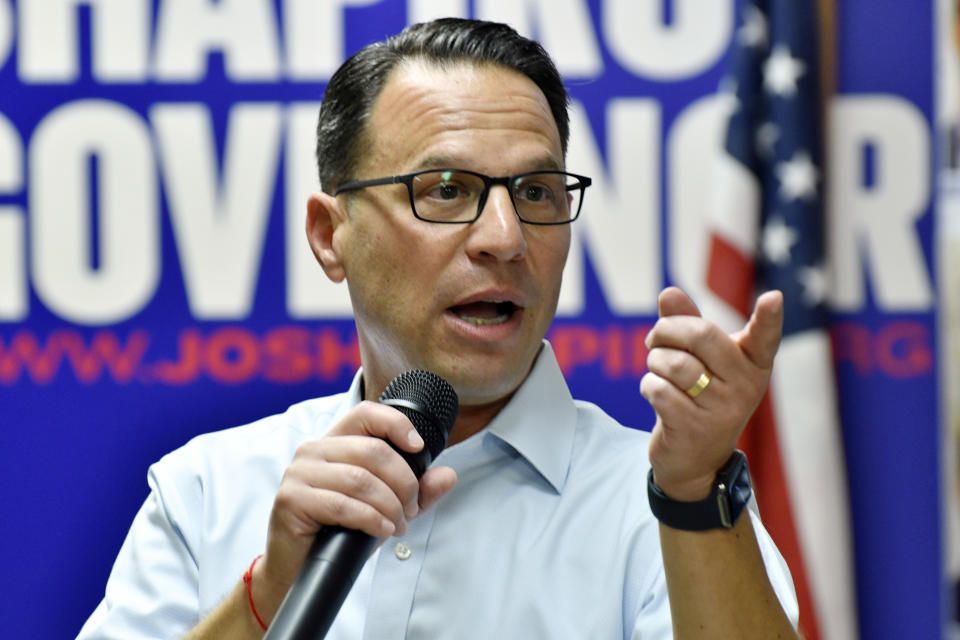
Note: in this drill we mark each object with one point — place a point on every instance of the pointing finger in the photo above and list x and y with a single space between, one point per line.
673 301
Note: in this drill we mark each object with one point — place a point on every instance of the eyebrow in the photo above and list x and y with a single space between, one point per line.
544 163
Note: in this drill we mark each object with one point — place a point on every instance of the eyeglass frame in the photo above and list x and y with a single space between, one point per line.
488 182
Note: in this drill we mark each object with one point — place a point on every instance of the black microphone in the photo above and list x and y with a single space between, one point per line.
338 554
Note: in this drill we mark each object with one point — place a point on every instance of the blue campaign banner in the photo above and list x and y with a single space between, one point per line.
155 281
887 347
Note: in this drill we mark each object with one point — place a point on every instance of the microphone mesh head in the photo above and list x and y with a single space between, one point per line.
437 404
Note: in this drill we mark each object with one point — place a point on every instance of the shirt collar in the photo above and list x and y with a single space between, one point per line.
540 419
347 401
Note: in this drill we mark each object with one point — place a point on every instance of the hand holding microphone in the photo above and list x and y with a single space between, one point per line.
360 490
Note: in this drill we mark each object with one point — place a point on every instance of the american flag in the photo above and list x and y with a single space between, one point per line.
767 233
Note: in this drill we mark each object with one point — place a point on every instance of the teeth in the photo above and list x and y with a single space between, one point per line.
481 322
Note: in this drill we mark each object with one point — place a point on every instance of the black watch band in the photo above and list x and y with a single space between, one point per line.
720 510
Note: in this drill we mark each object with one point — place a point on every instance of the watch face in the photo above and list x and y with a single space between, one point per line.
736 491
740 486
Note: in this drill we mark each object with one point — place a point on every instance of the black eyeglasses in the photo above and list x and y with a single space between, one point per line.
457 196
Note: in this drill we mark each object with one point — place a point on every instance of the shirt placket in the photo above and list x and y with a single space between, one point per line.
397 571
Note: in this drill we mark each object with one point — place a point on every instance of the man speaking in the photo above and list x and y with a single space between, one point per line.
446 207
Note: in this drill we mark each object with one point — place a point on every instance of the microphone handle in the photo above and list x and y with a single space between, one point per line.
329 571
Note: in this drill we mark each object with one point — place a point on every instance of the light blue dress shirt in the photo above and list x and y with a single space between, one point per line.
547 534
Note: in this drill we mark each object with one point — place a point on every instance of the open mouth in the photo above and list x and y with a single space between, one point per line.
485 312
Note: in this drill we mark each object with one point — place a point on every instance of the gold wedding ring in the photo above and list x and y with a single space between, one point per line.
699 385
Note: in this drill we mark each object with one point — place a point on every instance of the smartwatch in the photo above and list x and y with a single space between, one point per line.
720 510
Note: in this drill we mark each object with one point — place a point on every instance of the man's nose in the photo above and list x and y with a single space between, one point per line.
498 232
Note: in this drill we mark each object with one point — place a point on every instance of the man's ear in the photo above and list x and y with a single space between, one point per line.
324 217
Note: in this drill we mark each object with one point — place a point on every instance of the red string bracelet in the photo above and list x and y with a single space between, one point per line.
247 580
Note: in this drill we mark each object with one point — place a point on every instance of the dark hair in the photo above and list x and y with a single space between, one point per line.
354 88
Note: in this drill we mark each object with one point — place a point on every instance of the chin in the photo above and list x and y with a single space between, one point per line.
473 390
483 378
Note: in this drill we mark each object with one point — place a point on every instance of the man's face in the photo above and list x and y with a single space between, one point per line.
470 302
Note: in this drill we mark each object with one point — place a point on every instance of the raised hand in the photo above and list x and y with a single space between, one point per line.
697 426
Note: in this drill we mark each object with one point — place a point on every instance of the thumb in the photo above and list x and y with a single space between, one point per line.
673 301
436 483
760 338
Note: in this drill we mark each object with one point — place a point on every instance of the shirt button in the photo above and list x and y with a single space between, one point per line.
402 551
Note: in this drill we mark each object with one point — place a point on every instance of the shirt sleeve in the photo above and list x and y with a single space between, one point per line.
777 570
152 591
653 621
